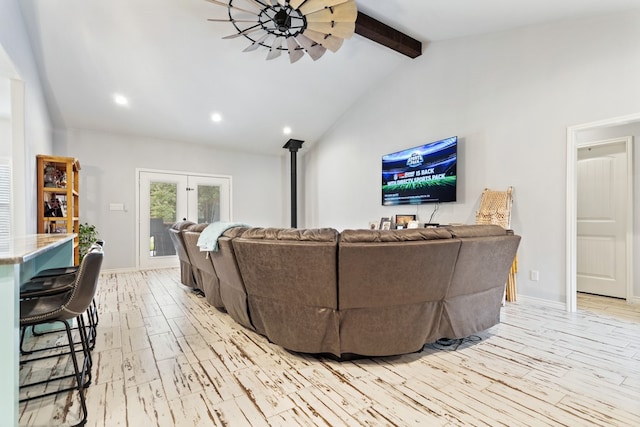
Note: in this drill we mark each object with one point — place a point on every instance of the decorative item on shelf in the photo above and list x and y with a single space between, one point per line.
294 26
382 221
63 207
402 220
373 225
53 208
51 176
63 180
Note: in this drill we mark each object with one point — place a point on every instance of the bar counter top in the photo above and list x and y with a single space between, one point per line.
23 248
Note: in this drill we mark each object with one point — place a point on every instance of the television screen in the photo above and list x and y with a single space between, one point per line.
424 174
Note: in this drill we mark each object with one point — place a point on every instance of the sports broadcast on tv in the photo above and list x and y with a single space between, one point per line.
423 174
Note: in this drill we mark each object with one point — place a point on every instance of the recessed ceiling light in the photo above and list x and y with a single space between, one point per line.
120 99
216 117
286 130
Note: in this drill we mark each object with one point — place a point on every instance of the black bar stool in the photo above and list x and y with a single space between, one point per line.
62 308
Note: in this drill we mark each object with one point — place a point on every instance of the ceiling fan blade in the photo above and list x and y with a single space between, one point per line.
345 12
295 3
311 6
330 42
261 4
232 20
344 30
314 50
275 51
294 52
253 46
219 3
249 30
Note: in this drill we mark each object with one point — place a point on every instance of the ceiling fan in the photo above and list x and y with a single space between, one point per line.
311 26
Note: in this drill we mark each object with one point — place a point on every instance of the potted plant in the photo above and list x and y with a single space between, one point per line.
87 236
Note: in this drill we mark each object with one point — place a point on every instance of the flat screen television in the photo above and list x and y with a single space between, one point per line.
423 174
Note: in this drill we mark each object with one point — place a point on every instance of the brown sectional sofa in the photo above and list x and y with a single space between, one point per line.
360 292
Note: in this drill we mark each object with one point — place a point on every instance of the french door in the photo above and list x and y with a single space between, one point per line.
167 197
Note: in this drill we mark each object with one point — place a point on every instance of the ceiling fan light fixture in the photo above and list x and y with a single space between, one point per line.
292 26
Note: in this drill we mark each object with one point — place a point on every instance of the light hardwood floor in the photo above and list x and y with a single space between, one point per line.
164 357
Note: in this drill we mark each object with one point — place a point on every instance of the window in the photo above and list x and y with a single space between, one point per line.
5 199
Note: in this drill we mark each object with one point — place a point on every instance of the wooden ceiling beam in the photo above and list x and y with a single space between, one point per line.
383 34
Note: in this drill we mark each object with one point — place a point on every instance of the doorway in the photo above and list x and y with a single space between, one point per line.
603 202
167 197
573 144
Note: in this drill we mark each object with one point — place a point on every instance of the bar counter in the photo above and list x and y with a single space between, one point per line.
21 258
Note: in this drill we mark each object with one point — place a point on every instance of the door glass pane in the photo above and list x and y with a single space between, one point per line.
162 214
208 203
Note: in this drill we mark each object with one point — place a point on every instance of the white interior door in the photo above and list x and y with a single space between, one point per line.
167 197
603 183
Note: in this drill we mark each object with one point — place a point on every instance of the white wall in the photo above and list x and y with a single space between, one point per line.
109 161
633 130
5 137
28 106
509 97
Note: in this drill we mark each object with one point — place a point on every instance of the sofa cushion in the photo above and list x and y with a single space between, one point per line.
205 273
394 273
391 284
481 230
232 290
186 272
197 228
473 301
291 282
288 264
409 234
302 235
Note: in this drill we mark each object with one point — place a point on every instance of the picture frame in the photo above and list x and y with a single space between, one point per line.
382 221
386 225
404 219
373 225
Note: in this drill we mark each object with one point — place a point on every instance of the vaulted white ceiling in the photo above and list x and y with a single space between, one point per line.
176 69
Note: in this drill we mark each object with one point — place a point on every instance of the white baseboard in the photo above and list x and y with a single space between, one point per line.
559 305
132 269
119 270
543 302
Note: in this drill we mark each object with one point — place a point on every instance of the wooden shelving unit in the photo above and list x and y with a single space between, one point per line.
58 196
